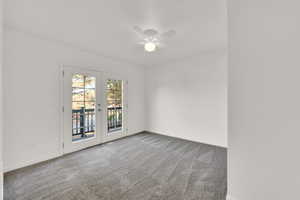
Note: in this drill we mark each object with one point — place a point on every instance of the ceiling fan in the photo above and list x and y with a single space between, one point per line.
151 38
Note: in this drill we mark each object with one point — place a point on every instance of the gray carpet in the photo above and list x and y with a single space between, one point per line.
141 167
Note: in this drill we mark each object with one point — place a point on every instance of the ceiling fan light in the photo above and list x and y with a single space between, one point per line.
150 46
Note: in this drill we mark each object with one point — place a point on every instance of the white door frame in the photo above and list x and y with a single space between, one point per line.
124 132
104 136
67 145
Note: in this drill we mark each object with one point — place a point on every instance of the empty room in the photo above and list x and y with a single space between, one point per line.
149 100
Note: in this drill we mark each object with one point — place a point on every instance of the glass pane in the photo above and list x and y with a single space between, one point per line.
78 80
118 103
77 94
90 105
114 93
110 96
83 107
110 103
119 85
109 84
118 96
77 105
90 95
90 82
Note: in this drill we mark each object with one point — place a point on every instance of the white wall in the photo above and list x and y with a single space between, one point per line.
264 96
1 99
32 94
187 99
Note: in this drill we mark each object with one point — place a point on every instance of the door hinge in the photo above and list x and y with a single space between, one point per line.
63 109
63 73
63 145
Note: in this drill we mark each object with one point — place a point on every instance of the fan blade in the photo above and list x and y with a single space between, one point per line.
141 43
138 29
169 33
161 45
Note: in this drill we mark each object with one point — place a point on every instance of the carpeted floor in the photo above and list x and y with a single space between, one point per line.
141 167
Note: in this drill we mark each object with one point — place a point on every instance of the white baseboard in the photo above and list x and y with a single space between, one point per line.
119 136
187 139
33 161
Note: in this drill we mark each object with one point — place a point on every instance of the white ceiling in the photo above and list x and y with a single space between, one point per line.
105 26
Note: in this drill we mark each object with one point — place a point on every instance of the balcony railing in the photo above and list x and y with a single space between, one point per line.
114 119
84 121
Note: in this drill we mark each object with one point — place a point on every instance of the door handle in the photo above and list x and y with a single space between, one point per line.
99 109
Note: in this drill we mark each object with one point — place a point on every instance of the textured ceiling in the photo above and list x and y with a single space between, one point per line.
105 26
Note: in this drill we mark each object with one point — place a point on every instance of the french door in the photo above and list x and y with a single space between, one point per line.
94 108
82 109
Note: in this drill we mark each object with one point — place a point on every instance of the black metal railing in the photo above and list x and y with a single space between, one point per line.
84 121
114 118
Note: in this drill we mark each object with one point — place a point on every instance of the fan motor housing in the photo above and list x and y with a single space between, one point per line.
150 32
